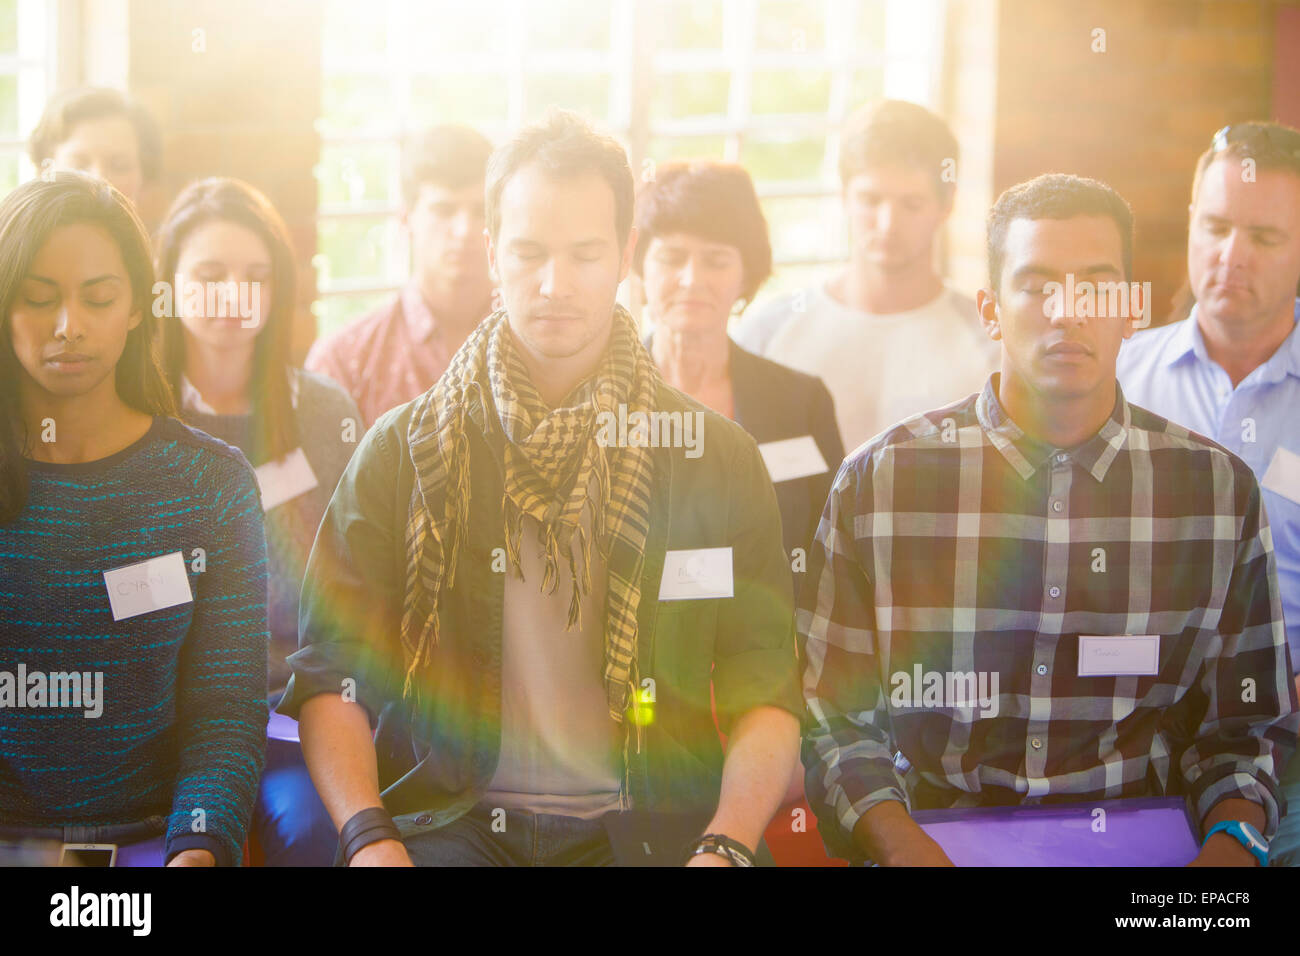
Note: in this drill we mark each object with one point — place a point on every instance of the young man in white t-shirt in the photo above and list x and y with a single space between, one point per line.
884 333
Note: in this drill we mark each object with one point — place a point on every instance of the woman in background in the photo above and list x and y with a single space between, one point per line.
226 254
702 253
132 558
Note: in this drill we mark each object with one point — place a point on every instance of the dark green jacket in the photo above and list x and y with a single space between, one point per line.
437 758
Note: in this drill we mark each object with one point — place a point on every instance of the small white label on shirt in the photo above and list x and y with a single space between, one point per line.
1283 475
703 573
285 478
148 586
1122 655
792 458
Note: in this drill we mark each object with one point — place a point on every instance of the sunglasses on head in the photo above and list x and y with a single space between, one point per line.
1278 138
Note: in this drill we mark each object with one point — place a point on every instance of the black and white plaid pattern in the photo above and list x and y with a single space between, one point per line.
958 543
552 462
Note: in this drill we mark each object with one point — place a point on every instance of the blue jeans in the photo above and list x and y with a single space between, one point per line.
291 824
1284 848
511 838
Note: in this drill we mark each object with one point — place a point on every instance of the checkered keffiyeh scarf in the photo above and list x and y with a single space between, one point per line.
552 463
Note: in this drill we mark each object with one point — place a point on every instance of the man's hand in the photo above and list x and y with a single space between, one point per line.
1222 849
382 853
890 837
193 858
708 859
921 851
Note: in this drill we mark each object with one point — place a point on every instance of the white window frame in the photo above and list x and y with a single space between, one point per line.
911 61
35 64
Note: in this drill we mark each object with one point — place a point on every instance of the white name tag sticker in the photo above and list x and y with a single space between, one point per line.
1283 475
792 458
148 586
703 573
285 478
1120 656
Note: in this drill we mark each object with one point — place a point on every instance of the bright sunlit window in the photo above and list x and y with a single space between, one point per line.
27 47
761 82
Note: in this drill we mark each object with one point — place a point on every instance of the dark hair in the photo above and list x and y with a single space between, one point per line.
710 199
28 215
1057 196
895 132
451 156
66 109
1270 145
564 145
217 199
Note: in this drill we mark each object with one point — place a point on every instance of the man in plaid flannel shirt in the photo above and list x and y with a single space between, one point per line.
1043 593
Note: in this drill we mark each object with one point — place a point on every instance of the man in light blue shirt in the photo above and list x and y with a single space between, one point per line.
1231 370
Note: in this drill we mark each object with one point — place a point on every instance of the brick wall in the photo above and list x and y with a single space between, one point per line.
970 107
1136 115
235 86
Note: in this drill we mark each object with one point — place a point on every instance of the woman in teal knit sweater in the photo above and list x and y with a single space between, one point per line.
132 558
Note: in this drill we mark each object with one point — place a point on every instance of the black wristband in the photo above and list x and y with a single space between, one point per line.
365 827
724 846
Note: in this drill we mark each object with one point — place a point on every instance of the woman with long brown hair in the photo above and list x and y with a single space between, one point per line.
224 252
132 558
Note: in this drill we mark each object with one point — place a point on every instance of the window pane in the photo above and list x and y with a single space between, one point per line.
777 159
587 93
351 102
568 25
355 29
871 26
663 148
691 24
791 91
457 27
790 26
678 95
476 99
352 248
8 171
8 26
9 106
352 174
866 85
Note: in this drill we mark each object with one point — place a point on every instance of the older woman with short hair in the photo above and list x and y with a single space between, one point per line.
702 253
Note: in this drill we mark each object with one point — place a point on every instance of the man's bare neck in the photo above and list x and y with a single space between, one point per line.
867 289
458 307
1062 423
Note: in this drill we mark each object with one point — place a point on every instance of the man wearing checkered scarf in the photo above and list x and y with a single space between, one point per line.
642 591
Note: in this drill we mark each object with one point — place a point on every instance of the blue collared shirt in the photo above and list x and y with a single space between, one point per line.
1168 371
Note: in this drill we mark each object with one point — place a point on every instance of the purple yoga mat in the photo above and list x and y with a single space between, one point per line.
280 727
144 853
1142 832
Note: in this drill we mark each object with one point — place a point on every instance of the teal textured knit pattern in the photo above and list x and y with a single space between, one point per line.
183 724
